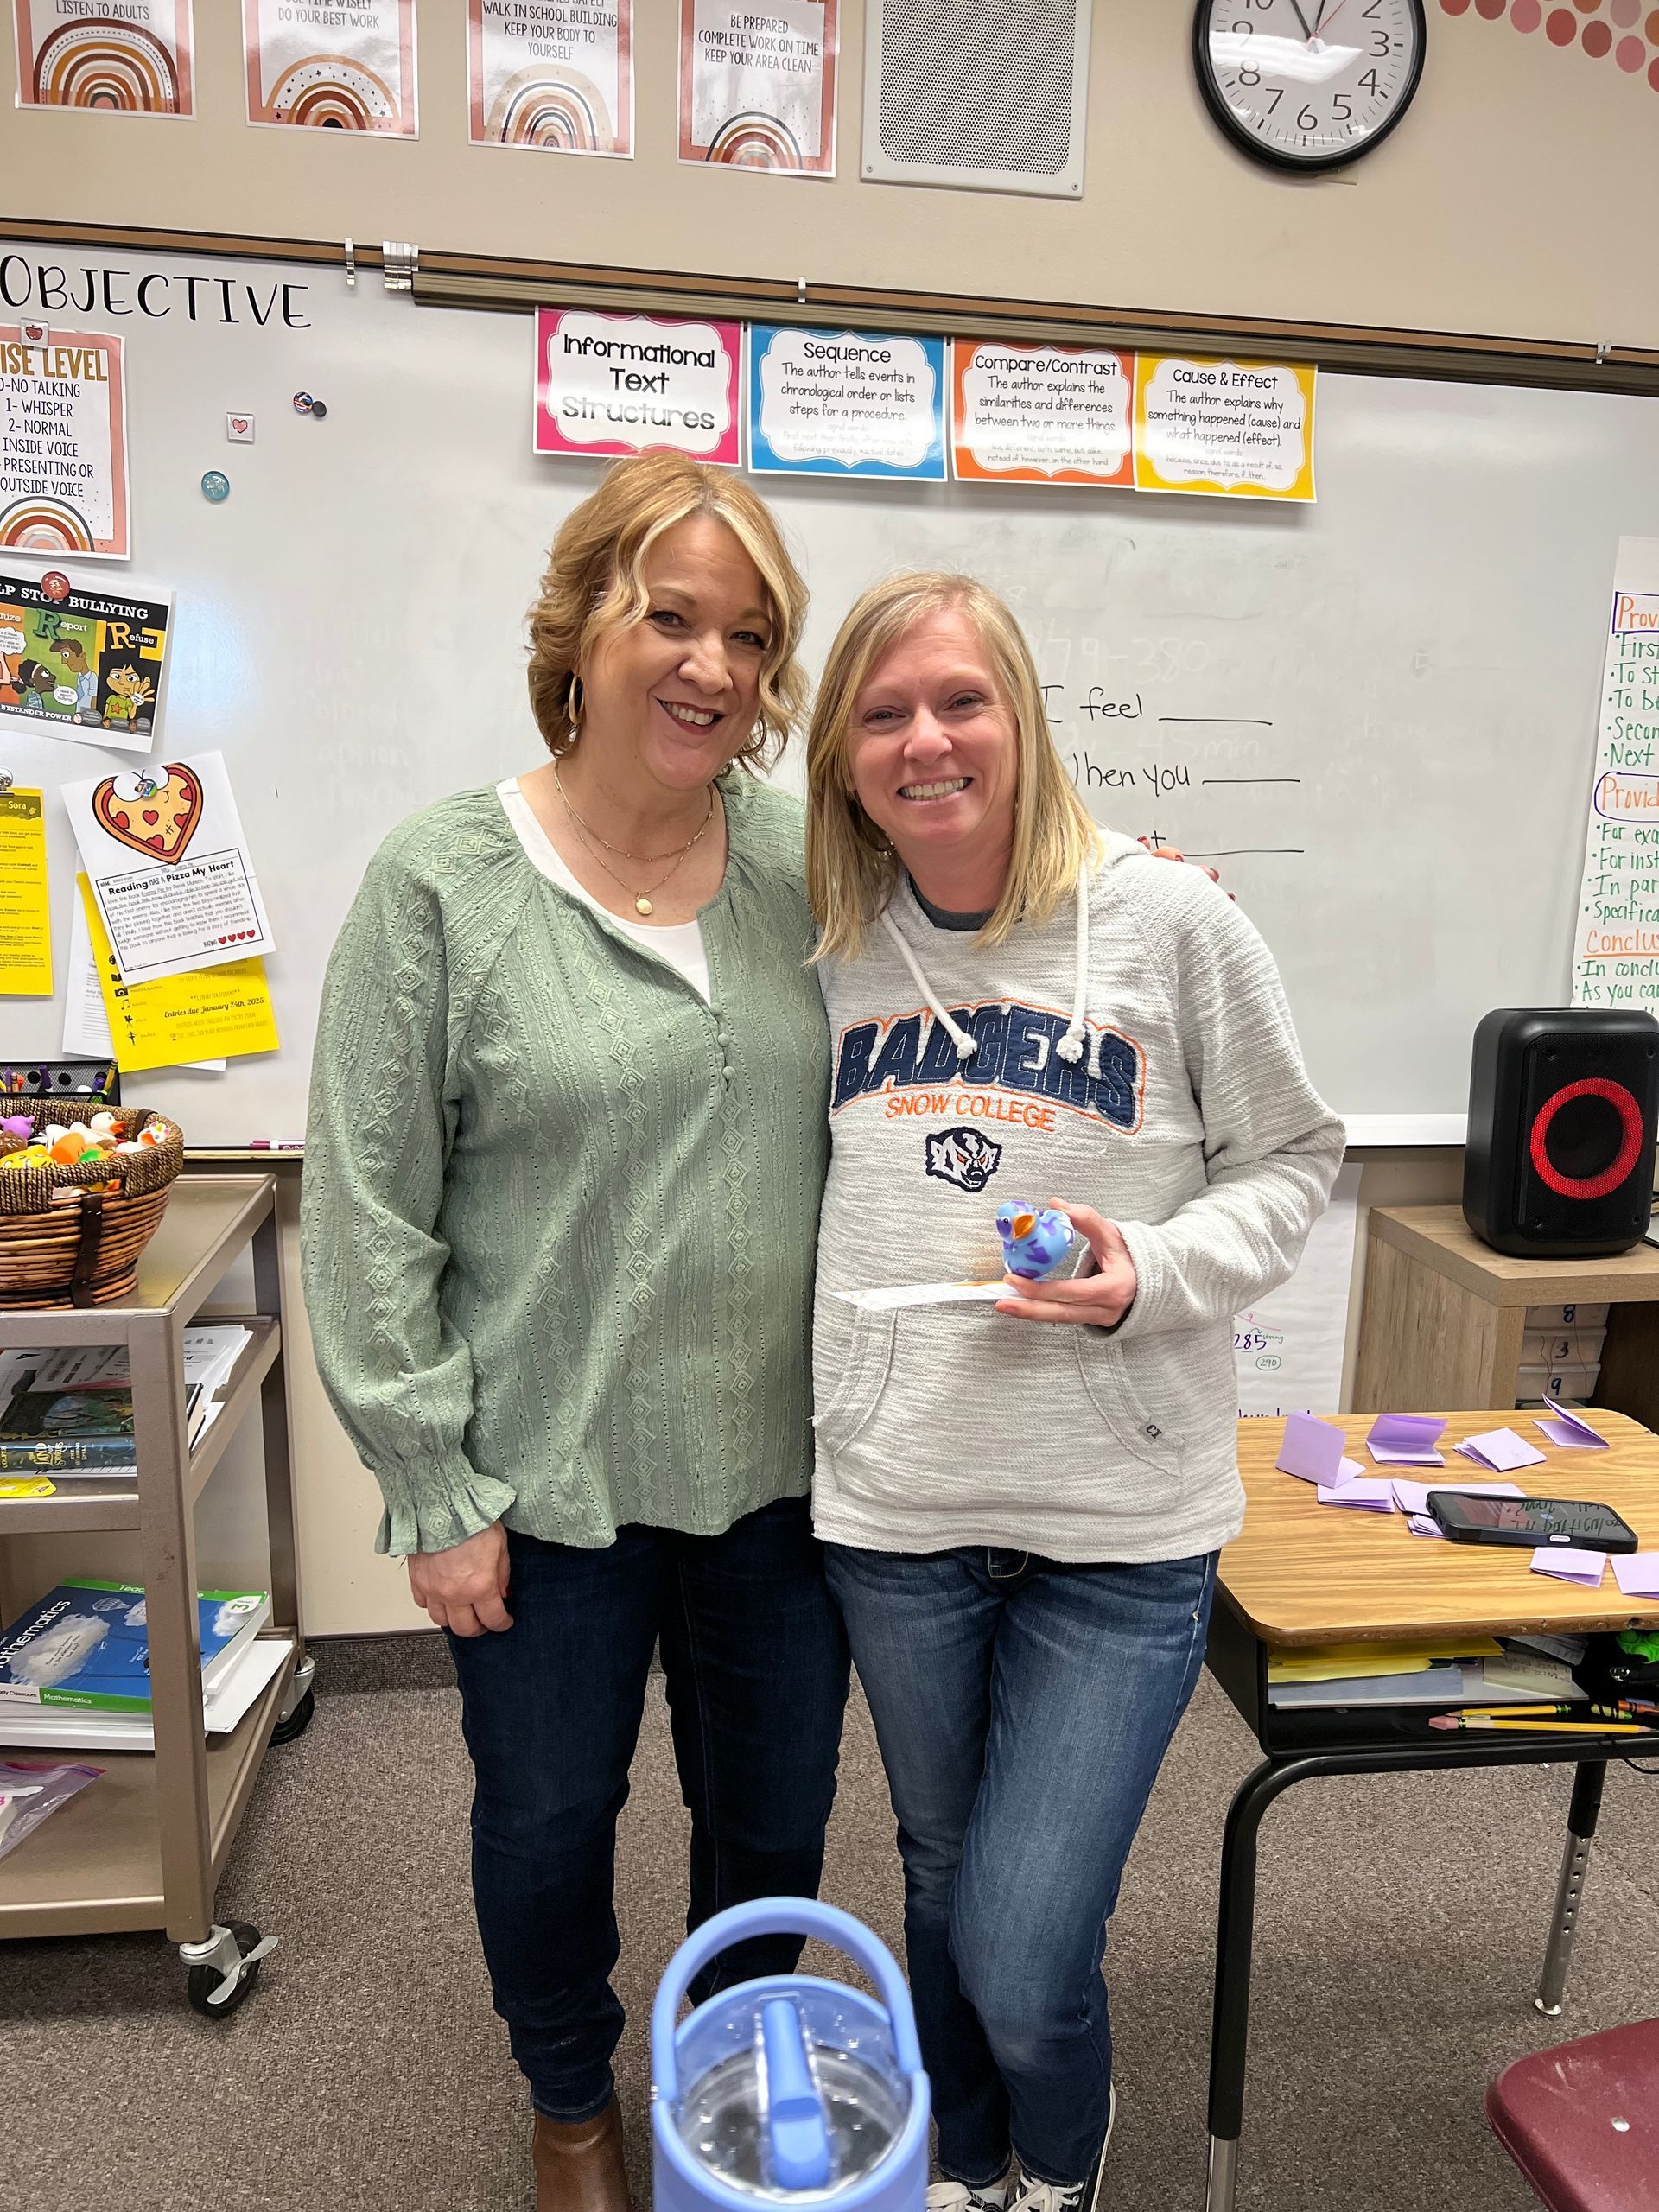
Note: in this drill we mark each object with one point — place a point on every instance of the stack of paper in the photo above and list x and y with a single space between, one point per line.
1322 1676
1500 1449
97 1375
1406 1439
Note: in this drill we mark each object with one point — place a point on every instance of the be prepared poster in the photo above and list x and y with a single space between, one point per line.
1042 414
757 84
1243 428
120 57
842 403
609 384
170 867
63 442
87 664
556 75
331 65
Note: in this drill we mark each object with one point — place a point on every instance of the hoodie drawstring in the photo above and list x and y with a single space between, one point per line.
1069 1047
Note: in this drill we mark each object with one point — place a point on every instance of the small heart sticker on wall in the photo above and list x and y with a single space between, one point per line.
239 428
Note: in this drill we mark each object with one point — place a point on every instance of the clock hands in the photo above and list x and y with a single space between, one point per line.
1296 11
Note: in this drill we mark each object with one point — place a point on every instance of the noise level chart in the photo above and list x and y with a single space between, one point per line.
1615 957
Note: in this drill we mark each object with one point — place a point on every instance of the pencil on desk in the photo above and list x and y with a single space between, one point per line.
1617 1710
1445 1720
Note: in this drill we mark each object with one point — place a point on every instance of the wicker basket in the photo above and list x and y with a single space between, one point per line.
72 1236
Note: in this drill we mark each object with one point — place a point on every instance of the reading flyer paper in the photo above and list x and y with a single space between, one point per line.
169 867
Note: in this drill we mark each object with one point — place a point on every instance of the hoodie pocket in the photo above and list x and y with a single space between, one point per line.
960 1406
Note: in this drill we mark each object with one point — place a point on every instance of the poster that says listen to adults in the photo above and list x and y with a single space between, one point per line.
330 67
612 384
131 58
757 84
553 75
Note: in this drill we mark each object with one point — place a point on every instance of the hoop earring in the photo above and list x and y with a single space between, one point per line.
574 700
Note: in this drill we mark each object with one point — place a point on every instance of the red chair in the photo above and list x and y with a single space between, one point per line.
1582 2120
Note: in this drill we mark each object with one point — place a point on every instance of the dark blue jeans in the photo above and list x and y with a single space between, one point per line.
1023 1708
754 1659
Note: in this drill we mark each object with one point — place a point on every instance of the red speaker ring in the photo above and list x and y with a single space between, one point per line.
1588 1186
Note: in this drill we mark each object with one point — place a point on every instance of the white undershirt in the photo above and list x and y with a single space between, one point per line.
678 943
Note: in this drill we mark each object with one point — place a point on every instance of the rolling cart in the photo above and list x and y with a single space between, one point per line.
145 1845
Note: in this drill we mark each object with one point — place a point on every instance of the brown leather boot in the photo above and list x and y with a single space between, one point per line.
579 2165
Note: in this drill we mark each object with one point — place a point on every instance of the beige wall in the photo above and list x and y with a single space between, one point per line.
1511 201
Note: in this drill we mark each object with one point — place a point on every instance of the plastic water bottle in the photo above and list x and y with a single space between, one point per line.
790 2089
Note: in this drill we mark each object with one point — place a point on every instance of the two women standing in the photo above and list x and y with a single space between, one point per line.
563 1174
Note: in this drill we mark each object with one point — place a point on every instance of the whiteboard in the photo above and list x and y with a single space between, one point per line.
1378 713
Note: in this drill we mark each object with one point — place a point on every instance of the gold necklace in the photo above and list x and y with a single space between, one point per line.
641 897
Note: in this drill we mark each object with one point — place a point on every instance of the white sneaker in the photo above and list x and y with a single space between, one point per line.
1031 2195
956 2196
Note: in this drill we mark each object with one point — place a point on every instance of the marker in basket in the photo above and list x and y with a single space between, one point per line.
276 1144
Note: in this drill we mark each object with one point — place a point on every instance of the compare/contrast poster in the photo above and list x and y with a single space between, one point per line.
123 57
1042 414
63 442
84 662
758 83
1243 428
331 66
842 403
610 383
556 75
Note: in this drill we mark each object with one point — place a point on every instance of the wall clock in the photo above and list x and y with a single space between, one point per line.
1307 84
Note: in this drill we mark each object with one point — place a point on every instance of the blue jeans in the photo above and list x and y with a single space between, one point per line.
755 1660
1023 1707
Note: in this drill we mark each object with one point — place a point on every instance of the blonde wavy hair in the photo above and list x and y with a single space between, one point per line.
852 870
596 581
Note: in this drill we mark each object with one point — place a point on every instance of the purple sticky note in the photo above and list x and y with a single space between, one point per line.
1636 1573
1500 1449
1311 1449
1370 1493
1571 1565
1567 1426
1408 1438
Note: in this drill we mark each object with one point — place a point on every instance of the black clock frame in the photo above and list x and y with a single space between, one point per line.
1297 165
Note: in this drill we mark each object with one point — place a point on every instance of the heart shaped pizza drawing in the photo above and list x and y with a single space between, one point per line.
157 819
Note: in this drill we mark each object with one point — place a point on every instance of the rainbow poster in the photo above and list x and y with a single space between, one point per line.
134 59
758 90
63 443
554 75
326 67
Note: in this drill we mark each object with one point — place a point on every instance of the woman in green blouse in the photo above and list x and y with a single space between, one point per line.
566 1148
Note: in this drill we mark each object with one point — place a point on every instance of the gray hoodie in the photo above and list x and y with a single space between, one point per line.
1135 1053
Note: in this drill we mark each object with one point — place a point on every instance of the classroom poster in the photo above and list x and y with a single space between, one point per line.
838 403
331 66
1616 948
556 75
198 1021
1287 1347
757 84
25 917
133 57
84 664
63 442
1041 414
609 384
169 867
1241 428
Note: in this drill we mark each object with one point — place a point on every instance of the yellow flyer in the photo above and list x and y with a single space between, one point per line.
1243 429
211 1013
25 927
29 1486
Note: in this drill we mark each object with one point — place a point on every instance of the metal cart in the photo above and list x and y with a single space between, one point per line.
145 1845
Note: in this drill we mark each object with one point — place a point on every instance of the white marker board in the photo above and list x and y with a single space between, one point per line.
1377 713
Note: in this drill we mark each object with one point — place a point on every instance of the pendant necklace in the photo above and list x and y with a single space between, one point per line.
588 836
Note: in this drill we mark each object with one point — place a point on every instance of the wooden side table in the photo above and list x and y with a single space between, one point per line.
1440 1329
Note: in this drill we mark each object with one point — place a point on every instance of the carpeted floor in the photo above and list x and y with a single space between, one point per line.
1399 1931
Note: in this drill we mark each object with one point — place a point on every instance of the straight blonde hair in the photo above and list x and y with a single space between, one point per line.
851 869
596 581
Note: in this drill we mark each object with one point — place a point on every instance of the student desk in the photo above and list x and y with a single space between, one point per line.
1303 1573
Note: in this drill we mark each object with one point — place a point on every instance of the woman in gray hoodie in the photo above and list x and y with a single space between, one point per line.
1024 1490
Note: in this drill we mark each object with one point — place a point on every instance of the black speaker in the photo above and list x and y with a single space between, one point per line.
1563 1102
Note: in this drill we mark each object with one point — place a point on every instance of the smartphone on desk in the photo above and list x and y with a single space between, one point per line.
1527 1523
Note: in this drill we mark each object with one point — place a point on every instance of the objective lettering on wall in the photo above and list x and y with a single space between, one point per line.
52 288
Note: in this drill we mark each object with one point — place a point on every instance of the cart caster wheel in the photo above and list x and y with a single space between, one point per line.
297 1721
238 1966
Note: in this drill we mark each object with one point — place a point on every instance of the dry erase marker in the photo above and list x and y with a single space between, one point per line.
276 1144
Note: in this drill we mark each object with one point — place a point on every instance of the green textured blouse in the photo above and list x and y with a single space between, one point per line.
559 1214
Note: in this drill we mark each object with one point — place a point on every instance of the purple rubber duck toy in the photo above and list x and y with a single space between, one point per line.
1035 1239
